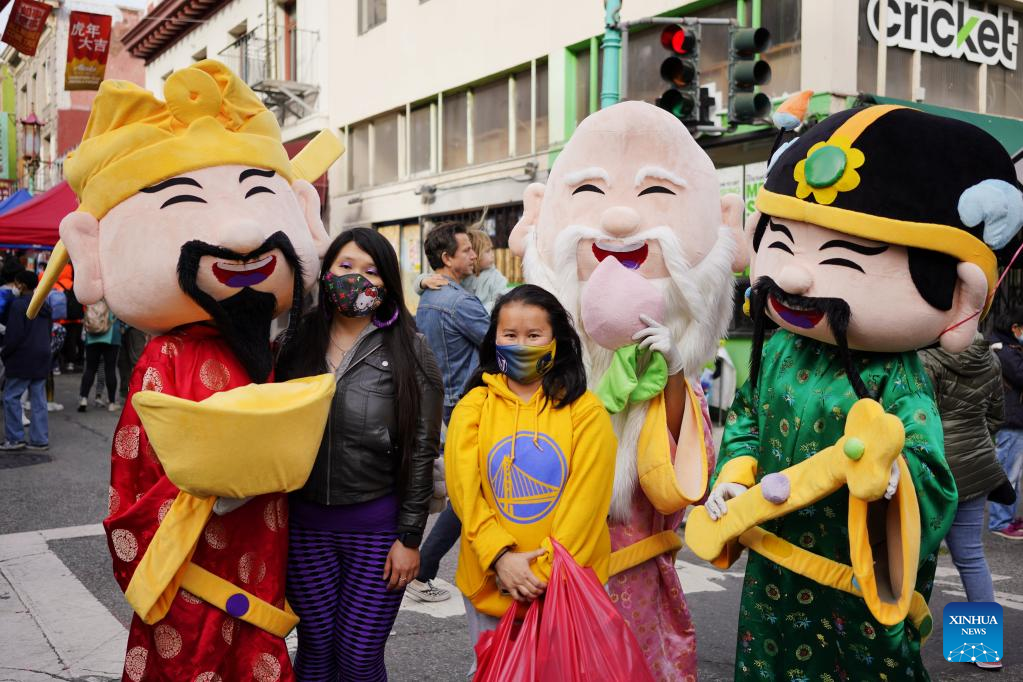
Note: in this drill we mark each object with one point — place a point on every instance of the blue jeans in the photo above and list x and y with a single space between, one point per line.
442 537
1009 447
965 543
39 430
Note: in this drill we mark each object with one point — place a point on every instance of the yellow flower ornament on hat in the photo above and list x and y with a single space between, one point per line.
829 168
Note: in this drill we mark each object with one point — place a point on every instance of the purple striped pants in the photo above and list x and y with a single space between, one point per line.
346 611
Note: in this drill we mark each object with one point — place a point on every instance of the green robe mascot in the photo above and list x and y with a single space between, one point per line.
873 237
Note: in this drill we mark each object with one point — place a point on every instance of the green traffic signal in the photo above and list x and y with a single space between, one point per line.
678 104
745 73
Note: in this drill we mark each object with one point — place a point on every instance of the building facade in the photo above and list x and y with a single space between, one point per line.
38 88
278 47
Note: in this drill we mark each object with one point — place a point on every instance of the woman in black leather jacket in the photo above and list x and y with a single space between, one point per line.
356 524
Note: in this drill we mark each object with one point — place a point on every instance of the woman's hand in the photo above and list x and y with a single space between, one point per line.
401 567
434 282
517 578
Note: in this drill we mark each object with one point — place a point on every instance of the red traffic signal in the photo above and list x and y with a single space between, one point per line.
678 39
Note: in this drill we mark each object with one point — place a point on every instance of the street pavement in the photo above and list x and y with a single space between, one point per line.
62 616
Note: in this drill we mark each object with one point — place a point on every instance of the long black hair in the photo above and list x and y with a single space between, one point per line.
565 382
305 354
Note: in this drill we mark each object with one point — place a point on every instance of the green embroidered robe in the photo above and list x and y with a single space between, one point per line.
790 627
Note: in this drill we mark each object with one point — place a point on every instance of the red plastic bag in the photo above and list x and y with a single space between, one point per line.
508 654
582 635
573 634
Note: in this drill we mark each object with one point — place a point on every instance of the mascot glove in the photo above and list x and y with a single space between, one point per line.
717 505
893 481
226 505
658 337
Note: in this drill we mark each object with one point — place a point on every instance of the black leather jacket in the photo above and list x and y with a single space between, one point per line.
359 459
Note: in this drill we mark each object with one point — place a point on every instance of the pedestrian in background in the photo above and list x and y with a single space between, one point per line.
1007 341
72 354
356 525
26 356
968 391
486 282
133 342
102 342
454 322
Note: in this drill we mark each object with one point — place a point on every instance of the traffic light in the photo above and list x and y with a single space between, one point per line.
745 72
681 70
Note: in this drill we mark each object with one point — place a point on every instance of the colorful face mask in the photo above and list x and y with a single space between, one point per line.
526 364
353 295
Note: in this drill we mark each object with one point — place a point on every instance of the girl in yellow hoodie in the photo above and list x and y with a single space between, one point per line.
530 457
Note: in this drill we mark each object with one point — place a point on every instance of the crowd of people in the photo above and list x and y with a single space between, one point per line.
478 370
64 337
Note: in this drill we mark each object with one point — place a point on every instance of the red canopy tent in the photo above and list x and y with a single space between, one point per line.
35 222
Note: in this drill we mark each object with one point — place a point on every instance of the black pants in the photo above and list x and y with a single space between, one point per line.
71 352
93 353
133 343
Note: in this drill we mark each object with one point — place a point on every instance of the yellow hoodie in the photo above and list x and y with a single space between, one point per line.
553 479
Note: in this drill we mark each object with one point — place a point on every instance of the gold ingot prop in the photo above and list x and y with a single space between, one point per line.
251 440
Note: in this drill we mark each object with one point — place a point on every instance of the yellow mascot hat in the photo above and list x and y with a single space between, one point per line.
211 118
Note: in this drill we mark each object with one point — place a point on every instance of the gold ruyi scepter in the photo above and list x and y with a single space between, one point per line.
862 460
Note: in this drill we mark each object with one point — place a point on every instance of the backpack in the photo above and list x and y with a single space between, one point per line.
97 318
58 304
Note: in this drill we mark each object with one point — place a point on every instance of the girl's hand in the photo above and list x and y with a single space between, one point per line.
434 282
517 578
401 567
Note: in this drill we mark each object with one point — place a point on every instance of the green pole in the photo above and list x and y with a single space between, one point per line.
611 50
755 23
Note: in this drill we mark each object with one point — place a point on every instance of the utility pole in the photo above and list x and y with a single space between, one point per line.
611 51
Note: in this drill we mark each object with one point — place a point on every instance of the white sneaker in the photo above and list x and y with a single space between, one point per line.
25 421
54 407
113 407
426 591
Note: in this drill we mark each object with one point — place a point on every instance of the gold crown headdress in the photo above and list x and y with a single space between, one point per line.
210 118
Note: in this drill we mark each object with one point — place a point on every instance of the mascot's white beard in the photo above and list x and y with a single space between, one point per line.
698 301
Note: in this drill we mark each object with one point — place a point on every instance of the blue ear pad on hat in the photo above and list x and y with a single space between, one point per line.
778 152
997 204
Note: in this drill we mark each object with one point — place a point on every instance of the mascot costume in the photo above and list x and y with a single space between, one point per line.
873 237
195 226
633 236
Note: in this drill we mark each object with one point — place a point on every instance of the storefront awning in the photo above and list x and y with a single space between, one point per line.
15 200
35 222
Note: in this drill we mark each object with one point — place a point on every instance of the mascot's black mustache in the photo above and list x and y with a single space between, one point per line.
244 318
836 311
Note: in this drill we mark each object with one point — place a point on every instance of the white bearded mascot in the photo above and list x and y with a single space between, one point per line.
633 236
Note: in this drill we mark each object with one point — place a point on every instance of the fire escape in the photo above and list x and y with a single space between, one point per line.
279 63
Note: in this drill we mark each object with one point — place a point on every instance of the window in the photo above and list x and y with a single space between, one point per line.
490 121
290 42
949 82
583 91
358 156
1005 90
454 130
898 69
783 19
385 149
541 106
523 115
371 13
419 151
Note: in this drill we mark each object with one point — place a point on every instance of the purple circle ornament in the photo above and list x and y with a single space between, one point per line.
237 605
775 488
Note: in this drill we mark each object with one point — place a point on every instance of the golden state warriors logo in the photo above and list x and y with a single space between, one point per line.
528 485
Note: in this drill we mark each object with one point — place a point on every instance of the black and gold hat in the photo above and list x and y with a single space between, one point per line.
901 176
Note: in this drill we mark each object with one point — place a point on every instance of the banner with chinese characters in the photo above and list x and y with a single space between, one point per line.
88 45
26 24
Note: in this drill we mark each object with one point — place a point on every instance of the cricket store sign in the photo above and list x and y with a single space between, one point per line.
949 28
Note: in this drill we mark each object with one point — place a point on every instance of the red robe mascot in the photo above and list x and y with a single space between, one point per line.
194 226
